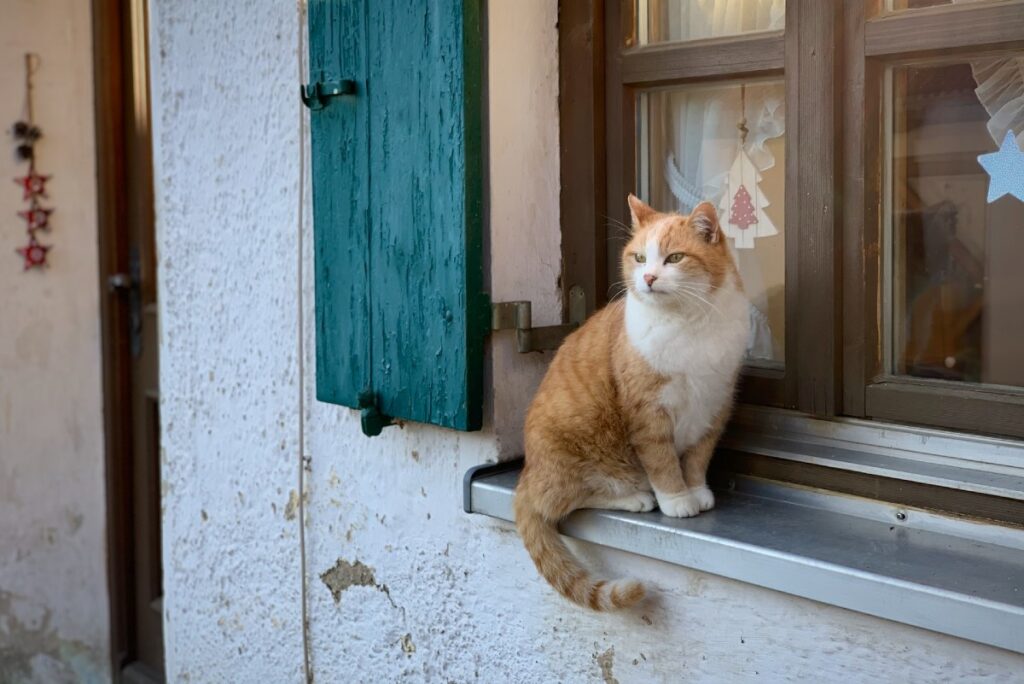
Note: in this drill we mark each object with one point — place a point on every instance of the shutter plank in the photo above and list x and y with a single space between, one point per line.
340 168
427 315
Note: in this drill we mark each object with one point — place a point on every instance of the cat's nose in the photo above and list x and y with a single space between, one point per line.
649 279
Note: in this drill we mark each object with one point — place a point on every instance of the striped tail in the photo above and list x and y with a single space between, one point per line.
561 569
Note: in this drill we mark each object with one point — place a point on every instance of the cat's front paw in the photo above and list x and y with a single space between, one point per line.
681 505
705 499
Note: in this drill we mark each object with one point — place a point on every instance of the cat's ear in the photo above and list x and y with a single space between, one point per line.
640 211
704 221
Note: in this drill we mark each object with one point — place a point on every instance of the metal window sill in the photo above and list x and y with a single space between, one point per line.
952 576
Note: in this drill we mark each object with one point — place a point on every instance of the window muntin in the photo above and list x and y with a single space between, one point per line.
834 56
899 5
663 21
726 143
953 278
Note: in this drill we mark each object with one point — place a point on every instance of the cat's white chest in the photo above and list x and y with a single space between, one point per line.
699 357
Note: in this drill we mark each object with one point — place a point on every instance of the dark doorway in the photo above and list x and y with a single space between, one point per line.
129 310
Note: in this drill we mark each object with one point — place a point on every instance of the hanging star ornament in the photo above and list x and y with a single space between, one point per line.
33 185
37 218
34 254
1005 169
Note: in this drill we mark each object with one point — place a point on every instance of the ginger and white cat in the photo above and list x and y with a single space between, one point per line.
634 402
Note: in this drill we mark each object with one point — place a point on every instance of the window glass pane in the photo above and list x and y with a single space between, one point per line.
726 144
660 21
956 254
897 5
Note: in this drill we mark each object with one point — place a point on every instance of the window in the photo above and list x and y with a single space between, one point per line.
939 307
840 141
688 148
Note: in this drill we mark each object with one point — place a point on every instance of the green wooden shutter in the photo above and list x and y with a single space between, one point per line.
397 186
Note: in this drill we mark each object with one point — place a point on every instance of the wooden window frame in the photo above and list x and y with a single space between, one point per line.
882 40
833 56
809 381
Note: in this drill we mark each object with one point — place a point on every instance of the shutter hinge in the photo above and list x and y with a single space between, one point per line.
518 316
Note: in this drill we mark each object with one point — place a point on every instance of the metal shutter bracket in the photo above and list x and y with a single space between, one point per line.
518 316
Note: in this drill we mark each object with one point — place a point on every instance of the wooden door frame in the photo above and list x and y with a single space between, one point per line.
110 87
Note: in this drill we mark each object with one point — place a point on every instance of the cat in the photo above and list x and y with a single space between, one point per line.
635 400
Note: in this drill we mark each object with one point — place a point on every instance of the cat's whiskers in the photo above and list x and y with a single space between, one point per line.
624 229
685 292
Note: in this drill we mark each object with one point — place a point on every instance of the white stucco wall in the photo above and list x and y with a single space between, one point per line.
523 195
54 623
402 585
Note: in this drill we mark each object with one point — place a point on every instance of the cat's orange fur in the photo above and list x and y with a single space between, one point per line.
597 434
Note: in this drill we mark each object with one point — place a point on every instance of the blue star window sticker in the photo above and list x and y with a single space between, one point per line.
1005 169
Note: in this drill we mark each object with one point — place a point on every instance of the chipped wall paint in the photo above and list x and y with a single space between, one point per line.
54 623
462 600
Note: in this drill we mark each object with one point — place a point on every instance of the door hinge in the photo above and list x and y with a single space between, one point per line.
518 316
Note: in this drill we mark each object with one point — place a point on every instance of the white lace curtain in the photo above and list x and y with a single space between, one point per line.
698 133
672 20
701 137
1000 90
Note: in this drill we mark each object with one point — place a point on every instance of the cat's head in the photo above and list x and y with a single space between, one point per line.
671 258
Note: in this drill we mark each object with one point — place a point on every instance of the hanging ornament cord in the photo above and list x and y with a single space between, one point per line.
742 126
29 71
33 185
742 213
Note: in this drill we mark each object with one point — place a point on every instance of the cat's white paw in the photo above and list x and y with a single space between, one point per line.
681 505
638 502
705 499
641 502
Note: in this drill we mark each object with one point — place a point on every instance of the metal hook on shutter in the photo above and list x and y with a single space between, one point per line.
371 418
319 93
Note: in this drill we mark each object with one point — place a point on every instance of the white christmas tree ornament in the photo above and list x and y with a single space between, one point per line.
743 204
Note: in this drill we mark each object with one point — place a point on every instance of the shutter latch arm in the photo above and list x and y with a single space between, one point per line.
315 95
518 316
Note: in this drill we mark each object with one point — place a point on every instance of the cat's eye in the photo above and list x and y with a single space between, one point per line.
640 258
674 258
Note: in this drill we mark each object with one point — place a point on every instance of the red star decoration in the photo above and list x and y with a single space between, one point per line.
33 185
37 218
34 254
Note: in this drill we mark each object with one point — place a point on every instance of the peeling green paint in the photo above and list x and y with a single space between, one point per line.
397 210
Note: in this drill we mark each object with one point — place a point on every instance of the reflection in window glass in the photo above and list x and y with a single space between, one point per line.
957 285
660 21
726 144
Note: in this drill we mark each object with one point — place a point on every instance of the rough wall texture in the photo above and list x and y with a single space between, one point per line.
402 585
225 129
54 619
